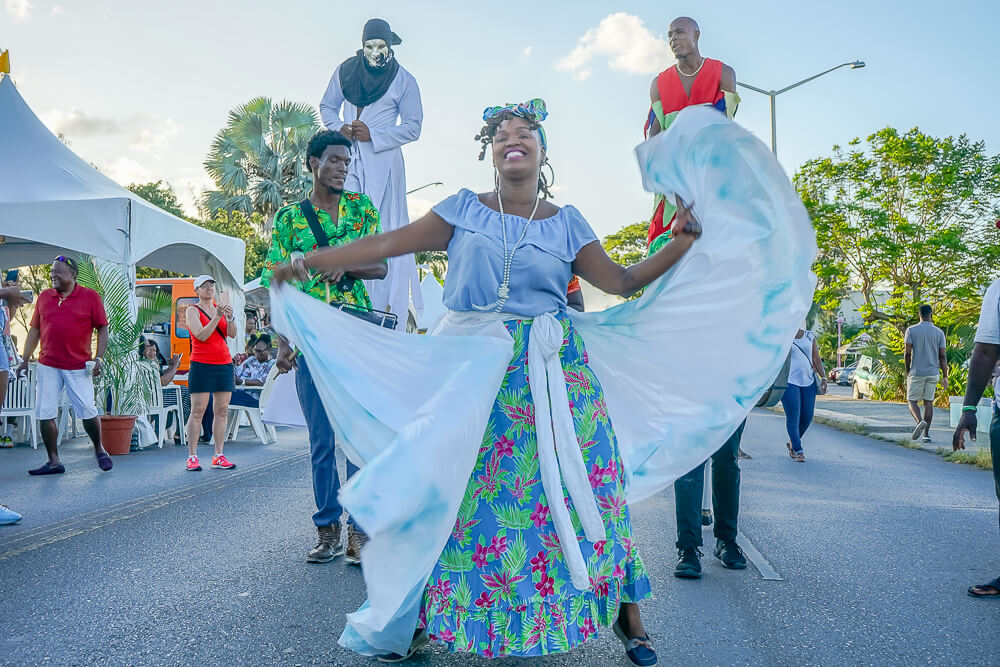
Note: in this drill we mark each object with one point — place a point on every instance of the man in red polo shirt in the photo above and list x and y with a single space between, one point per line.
64 321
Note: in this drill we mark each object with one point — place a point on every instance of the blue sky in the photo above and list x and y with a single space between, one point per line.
140 88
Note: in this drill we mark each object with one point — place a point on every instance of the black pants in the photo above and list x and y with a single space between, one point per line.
688 491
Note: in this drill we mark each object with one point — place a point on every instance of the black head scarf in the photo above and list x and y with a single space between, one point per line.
363 84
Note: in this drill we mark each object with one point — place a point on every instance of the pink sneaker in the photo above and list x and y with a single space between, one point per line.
192 463
221 461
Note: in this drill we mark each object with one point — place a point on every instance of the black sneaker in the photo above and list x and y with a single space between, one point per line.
730 554
688 563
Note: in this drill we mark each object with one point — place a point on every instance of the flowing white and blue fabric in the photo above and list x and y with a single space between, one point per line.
681 367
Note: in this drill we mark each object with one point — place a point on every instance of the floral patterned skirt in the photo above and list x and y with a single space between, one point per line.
501 586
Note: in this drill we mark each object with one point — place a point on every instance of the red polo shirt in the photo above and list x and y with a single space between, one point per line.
67 327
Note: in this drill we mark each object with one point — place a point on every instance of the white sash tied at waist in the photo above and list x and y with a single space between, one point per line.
560 460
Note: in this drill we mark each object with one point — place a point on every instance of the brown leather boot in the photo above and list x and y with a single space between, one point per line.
329 546
355 540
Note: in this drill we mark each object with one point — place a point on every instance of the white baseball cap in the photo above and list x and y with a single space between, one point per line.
202 279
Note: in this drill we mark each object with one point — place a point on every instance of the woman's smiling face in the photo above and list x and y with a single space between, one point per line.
516 150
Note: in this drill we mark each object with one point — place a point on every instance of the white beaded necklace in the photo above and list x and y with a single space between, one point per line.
503 291
695 72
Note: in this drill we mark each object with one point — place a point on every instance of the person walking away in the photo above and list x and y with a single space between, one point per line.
252 373
924 357
368 93
211 371
64 322
343 217
806 378
984 359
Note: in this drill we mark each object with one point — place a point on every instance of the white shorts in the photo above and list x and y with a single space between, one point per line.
79 386
921 387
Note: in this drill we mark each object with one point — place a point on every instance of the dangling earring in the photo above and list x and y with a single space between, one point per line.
496 180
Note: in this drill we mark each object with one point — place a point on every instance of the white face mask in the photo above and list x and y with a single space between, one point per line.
377 52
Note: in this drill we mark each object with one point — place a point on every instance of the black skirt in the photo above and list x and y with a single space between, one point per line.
210 378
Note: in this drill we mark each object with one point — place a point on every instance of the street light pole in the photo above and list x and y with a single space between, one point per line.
857 64
426 185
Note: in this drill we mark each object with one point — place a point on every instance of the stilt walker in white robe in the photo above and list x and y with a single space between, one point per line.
368 93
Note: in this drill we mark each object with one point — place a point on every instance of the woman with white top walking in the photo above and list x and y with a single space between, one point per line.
806 379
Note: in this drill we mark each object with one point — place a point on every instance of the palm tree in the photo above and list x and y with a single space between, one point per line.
258 160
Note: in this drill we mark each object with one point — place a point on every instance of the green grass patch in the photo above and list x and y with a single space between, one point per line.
979 457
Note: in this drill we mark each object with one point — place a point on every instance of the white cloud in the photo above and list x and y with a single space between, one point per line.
56 10
625 41
154 140
76 123
125 170
19 9
527 51
418 206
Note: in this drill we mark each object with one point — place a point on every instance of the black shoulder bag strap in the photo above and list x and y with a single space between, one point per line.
322 240
217 330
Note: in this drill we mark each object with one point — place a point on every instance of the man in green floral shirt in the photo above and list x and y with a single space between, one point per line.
345 217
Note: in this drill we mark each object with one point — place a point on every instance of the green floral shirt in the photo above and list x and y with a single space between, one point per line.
356 219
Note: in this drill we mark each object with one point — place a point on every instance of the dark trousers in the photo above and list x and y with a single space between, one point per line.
995 449
799 404
247 399
688 491
322 445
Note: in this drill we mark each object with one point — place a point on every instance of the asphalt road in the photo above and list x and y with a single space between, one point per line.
151 565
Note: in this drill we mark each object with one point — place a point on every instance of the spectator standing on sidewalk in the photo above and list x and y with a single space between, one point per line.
806 379
984 359
924 357
211 373
12 296
64 321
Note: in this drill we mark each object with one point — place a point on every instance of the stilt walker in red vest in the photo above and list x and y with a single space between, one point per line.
696 80
692 81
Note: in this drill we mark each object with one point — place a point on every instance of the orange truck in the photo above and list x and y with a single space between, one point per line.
170 333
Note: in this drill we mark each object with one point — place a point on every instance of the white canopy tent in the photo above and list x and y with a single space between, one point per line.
52 202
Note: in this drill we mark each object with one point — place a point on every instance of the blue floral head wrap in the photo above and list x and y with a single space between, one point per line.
533 110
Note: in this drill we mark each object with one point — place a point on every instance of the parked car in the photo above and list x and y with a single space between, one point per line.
846 374
865 377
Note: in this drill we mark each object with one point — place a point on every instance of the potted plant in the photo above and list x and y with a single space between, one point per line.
120 386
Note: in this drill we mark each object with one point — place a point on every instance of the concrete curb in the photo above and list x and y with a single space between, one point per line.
873 428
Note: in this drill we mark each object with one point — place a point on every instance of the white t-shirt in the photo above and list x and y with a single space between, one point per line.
989 316
800 372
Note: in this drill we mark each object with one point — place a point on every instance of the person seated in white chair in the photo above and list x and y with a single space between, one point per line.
251 374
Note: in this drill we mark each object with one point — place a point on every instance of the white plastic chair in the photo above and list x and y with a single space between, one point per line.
156 407
20 402
265 433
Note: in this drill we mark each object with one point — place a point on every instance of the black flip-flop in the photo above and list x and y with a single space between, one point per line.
104 462
48 470
978 592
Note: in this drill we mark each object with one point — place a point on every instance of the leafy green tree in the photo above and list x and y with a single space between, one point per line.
246 227
159 194
628 246
257 160
909 214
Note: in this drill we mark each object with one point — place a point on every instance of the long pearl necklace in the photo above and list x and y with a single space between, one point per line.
503 291
695 72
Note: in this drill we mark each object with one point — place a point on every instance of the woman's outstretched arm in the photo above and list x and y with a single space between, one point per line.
593 264
430 232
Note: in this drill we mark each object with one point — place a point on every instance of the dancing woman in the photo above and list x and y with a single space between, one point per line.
511 251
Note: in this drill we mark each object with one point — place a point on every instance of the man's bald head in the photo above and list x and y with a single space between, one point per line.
682 35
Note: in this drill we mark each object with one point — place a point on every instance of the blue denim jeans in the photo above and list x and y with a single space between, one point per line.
322 445
799 404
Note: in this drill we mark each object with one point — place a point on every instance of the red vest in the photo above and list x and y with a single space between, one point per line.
704 90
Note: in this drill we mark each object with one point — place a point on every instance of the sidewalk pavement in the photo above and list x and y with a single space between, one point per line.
891 421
